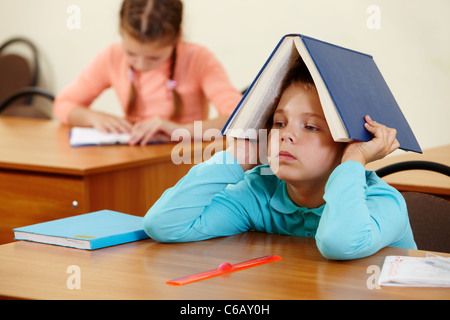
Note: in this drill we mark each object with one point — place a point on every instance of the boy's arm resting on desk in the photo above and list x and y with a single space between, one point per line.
362 215
183 213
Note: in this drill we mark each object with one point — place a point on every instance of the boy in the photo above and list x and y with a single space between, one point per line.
320 187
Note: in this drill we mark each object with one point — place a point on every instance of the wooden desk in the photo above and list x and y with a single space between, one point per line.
419 180
139 270
41 175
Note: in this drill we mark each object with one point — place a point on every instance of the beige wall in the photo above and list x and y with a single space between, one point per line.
411 46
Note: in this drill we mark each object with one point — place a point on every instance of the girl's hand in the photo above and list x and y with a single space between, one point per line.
85 117
109 123
155 130
383 143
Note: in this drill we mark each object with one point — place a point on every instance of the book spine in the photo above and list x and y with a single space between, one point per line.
332 45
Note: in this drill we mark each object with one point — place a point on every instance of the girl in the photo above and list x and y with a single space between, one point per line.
320 189
162 83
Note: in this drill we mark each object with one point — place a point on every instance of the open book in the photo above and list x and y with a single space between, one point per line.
80 136
432 271
349 84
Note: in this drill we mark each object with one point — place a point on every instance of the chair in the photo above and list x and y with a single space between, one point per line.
18 83
413 165
429 215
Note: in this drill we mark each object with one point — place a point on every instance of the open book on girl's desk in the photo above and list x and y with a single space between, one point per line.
349 84
81 137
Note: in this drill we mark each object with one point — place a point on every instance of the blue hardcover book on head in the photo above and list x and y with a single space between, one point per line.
88 231
349 84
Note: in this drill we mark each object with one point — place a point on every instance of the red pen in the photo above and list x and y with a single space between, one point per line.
223 268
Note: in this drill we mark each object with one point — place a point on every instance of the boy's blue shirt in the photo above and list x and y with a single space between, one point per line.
362 213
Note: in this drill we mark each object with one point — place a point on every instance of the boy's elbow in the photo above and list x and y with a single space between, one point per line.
329 249
154 228
338 249
160 227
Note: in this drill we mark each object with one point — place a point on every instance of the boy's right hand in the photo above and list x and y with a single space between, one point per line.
244 151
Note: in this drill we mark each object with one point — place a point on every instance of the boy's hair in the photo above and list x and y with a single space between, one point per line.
297 74
154 20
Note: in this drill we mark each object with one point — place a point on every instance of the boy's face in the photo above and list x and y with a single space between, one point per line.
303 151
145 56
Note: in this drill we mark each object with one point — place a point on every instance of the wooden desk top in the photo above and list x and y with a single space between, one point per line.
418 180
140 269
43 146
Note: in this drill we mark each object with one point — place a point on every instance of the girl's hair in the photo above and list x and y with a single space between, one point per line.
297 74
149 21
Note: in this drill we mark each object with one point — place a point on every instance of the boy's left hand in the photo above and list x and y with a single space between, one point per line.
383 143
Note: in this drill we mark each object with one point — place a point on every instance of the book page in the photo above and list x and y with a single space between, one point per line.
260 101
60 241
89 136
334 121
417 272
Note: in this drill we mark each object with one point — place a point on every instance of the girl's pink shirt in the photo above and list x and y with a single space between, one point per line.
199 75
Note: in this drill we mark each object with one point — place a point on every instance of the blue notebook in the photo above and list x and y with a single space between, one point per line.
88 231
349 84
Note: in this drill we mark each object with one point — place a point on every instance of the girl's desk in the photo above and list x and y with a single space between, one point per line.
140 269
419 180
42 178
